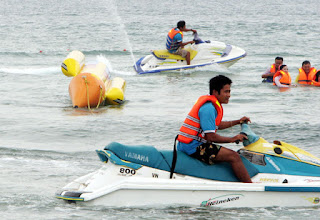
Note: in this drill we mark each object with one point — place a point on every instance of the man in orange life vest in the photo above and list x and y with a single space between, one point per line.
306 73
174 41
268 75
198 134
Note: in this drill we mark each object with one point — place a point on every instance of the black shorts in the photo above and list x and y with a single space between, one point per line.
206 153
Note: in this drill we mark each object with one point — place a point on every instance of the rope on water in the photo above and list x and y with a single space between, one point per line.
86 82
100 96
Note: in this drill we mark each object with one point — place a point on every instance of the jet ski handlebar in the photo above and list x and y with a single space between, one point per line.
246 130
197 39
238 141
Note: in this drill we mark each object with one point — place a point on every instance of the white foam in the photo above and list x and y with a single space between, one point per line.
125 73
31 70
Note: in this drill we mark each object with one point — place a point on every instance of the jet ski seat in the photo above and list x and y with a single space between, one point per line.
186 165
139 154
221 171
164 54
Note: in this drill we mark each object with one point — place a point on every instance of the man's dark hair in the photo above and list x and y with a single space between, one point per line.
218 82
279 58
281 67
181 24
305 62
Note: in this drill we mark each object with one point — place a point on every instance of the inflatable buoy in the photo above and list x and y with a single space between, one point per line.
86 90
73 64
115 94
91 85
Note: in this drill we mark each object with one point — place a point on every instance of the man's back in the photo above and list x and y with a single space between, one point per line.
173 43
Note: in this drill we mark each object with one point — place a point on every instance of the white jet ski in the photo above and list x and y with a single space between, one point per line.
202 53
282 174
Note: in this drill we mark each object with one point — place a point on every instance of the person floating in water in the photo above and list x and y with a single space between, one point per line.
268 75
197 136
306 73
316 79
282 77
174 41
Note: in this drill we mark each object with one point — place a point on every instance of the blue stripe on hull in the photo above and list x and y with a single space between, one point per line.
291 189
140 71
137 66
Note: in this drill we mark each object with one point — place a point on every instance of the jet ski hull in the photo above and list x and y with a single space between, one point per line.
118 186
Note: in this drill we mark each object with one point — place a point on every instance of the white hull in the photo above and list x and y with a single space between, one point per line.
206 198
110 187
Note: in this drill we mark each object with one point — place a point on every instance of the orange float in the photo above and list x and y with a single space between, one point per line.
91 85
86 90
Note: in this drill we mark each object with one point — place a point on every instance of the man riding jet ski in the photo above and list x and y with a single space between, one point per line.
191 54
174 41
282 175
197 136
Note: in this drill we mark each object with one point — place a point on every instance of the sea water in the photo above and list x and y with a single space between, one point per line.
45 143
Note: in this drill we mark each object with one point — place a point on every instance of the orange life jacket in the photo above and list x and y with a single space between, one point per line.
273 68
306 78
173 33
285 79
191 130
314 82
170 44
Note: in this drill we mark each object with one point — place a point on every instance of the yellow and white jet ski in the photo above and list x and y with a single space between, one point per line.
202 53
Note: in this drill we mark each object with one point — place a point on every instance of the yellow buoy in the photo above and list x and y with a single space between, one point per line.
115 93
73 64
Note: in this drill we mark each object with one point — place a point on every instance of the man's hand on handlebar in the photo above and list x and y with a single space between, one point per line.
239 138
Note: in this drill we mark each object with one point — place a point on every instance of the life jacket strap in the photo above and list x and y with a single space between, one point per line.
174 157
193 119
194 137
191 127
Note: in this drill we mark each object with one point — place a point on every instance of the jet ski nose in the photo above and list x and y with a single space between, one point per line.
252 137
